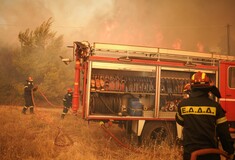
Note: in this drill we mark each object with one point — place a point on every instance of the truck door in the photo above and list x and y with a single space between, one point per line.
227 88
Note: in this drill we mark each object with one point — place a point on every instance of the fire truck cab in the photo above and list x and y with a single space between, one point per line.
139 87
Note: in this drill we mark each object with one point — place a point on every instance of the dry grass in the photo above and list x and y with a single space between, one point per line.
45 136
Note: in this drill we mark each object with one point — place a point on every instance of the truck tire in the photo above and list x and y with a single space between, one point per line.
156 132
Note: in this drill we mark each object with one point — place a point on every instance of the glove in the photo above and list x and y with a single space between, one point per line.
35 88
231 157
214 90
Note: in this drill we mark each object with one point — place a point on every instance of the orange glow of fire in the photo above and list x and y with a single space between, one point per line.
200 47
177 44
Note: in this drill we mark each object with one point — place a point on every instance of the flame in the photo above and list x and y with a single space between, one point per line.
177 44
200 47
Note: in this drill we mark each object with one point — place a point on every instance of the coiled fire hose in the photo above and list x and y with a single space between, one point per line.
199 152
62 139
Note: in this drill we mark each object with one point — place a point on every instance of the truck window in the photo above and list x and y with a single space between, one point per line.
231 78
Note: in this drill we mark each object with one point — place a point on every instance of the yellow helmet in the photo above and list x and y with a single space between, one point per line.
200 80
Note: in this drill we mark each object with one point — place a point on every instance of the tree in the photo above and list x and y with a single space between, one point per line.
39 58
9 90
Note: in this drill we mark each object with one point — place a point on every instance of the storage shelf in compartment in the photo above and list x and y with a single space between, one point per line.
148 113
167 114
118 92
173 94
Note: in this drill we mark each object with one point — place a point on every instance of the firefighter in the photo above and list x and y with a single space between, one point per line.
67 101
203 120
28 89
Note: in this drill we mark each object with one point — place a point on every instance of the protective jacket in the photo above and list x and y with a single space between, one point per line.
67 101
28 88
204 122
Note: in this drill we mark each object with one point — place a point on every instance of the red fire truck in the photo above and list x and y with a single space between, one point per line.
139 87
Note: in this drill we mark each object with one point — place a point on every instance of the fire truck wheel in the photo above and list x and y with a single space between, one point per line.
157 132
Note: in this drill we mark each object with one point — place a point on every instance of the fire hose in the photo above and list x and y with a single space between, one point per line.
116 139
46 98
199 152
194 155
61 139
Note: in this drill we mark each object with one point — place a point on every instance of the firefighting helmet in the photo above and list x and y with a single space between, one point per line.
86 43
69 90
187 88
200 80
30 79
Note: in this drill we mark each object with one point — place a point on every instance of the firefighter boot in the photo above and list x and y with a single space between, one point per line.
62 116
24 110
31 110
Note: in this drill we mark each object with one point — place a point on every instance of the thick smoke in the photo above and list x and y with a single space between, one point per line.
189 25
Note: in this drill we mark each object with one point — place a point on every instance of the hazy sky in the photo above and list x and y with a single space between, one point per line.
196 25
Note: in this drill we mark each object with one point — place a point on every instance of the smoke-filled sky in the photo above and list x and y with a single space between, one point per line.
196 25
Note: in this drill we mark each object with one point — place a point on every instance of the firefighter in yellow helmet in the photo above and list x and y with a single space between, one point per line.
67 102
203 120
28 89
